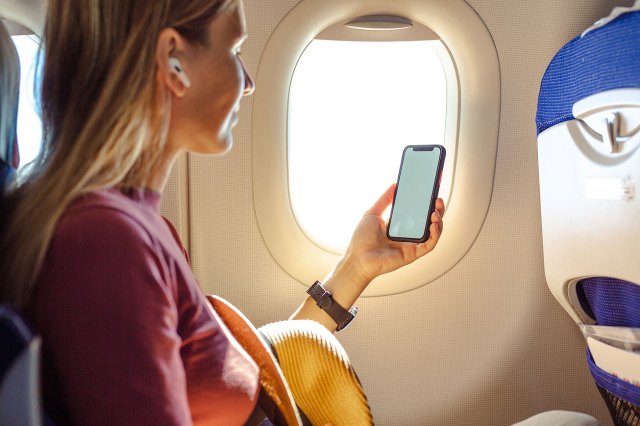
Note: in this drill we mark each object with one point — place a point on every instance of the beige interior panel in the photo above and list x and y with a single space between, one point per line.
28 13
486 343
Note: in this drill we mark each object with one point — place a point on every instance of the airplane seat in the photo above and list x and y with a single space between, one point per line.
9 96
7 174
588 125
20 402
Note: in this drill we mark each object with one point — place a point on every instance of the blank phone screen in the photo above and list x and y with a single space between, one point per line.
416 184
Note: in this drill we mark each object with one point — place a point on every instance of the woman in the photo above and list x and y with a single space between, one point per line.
127 335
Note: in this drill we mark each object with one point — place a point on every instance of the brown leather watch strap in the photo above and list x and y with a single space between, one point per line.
324 300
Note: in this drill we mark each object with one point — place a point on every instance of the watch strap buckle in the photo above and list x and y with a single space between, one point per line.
324 300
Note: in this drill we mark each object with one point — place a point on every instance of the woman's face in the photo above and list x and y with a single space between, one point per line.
202 119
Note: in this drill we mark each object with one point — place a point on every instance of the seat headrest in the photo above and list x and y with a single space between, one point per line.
606 58
15 335
7 173
9 98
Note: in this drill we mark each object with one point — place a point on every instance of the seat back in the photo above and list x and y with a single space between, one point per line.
588 124
588 137
20 402
9 89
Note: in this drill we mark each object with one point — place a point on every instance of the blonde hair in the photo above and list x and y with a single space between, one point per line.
9 89
100 116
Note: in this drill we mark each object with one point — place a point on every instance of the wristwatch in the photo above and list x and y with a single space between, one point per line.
324 300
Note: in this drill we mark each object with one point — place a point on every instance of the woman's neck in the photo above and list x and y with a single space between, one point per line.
160 174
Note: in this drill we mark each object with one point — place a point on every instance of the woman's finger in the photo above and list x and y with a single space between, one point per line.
383 202
435 230
440 206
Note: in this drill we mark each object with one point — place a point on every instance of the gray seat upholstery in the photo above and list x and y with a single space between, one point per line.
20 400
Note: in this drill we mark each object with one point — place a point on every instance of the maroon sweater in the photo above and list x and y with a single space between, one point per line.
128 336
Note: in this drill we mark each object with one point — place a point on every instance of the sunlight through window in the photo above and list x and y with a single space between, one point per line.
353 107
29 123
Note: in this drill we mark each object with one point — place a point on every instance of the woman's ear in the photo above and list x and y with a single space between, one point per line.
170 70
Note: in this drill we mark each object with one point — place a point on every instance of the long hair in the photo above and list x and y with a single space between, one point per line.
101 123
9 92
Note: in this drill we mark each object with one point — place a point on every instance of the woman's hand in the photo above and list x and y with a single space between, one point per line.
370 254
374 254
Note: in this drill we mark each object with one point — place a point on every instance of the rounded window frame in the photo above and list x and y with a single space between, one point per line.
472 120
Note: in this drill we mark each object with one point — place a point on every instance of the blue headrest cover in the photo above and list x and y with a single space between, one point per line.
7 174
604 59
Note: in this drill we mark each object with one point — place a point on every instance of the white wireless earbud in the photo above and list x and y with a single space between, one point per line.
176 68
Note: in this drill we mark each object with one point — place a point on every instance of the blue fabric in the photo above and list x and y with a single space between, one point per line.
7 174
612 384
611 301
606 58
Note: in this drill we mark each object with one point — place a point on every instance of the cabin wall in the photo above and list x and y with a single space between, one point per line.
484 344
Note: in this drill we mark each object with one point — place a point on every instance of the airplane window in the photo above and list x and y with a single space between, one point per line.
353 107
29 123
340 90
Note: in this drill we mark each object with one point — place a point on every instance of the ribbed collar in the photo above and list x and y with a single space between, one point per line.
145 196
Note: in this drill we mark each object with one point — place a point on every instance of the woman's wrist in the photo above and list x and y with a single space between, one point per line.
347 281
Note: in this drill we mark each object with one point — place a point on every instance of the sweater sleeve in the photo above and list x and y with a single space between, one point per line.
108 311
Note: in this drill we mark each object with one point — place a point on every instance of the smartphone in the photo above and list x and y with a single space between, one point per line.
416 193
